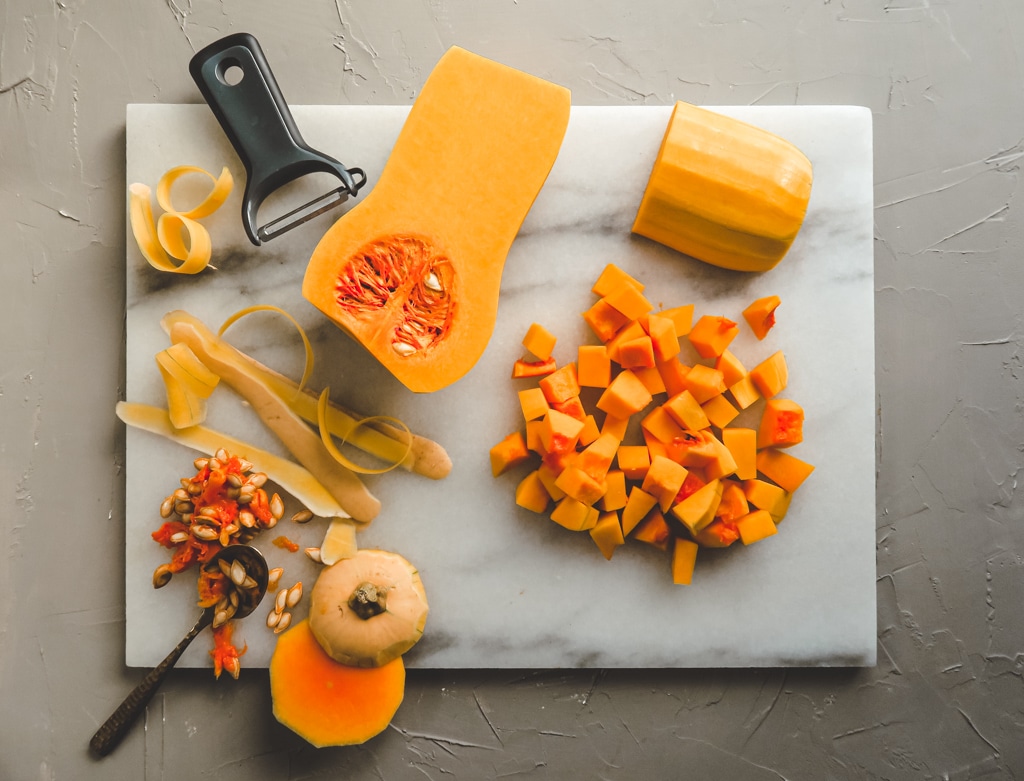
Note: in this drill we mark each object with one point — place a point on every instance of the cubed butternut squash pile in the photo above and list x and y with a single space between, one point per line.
659 458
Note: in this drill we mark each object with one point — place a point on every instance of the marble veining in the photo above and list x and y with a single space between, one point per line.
509 588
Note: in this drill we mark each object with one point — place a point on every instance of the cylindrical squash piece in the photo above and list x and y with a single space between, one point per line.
724 191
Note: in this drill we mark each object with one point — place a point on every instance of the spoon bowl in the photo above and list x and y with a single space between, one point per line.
249 574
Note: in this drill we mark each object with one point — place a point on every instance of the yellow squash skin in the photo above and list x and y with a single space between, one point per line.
724 191
469 162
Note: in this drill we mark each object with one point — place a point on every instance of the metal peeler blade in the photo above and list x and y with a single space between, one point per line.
234 77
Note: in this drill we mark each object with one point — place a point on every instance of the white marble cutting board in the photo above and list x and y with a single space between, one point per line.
509 588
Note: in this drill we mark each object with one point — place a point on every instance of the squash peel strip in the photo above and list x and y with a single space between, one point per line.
307 369
291 430
222 186
144 227
325 436
291 477
426 457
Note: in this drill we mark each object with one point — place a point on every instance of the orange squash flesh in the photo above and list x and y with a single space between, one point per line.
327 703
425 249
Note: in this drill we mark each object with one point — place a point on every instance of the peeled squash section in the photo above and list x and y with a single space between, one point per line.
725 192
413 271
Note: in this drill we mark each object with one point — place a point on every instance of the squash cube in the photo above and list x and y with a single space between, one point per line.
744 392
638 504
673 374
686 411
637 353
547 477
693 448
533 403
632 330
523 368
539 341
579 485
572 406
760 315
596 459
593 366
698 509
615 491
742 443
755 526
533 442
663 480
624 396
681 317
787 471
561 385
651 378
734 502
628 300
717 534
559 432
731 367
782 424
712 334
634 461
531 494
508 453
615 426
661 425
722 464
607 533
654 530
704 382
604 320
574 515
663 337
719 411
612 278
768 497
589 432
771 375
684 560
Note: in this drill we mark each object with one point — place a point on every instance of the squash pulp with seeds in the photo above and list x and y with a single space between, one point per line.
413 271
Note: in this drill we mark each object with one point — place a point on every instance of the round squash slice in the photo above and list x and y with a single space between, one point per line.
369 609
327 703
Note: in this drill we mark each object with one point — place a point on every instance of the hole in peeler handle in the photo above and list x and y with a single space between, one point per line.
230 72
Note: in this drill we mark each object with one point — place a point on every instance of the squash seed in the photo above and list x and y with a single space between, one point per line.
276 507
273 617
162 576
274 578
294 594
178 537
246 519
314 554
238 573
201 463
257 479
167 507
205 533
303 516
281 602
283 623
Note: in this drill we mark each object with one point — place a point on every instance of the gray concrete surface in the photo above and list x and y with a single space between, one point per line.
945 84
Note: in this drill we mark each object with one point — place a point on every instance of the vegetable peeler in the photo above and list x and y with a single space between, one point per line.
235 79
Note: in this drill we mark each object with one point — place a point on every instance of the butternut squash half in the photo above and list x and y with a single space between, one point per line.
413 271
724 191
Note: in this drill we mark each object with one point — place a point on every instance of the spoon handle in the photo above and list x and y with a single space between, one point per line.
109 735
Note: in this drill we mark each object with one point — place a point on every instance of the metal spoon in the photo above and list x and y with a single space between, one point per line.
109 735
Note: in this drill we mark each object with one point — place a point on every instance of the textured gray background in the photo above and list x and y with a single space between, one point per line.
944 82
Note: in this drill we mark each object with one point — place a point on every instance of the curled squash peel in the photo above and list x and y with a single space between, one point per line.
327 703
413 271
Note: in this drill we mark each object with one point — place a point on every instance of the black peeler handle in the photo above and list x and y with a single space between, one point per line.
235 79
